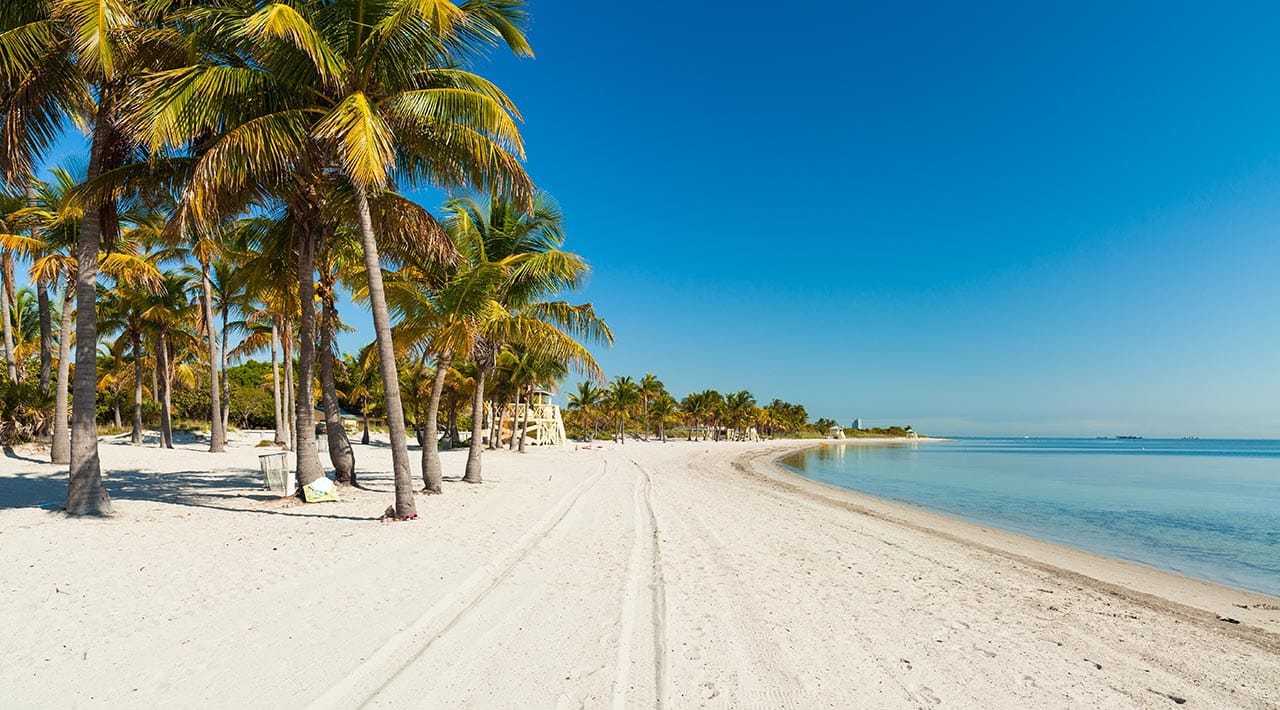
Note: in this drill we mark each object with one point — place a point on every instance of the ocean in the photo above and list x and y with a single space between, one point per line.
1202 508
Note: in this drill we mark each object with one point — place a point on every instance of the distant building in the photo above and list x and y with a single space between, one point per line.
857 423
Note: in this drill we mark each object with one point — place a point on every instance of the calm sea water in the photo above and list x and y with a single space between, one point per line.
1202 508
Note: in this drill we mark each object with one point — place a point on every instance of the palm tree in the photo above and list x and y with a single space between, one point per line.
624 393
650 388
739 410
79 60
585 400
363 383
368 88
521 253
171 318
58 219
663 409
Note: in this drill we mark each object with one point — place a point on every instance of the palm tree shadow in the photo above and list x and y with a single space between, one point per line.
9 452
227 492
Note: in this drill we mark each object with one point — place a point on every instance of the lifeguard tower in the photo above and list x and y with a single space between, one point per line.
544 427
835 432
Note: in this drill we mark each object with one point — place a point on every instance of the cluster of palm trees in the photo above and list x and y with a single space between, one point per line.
646 406
245 160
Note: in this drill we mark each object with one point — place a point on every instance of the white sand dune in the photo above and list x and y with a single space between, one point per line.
645 575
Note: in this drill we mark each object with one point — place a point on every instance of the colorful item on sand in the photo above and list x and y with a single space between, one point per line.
319 491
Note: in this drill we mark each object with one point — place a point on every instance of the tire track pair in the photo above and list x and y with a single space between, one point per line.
644 569
362 685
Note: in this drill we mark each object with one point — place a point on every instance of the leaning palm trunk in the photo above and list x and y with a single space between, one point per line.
515 420
166 412
405 506
340 453
226 391
275 383
524 428
6 276
364 419
432 472
135 436
46 337
307 457
60 451
217 427
286 408
472 473
85 494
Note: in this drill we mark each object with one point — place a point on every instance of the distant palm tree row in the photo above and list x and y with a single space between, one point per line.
245 160
647 406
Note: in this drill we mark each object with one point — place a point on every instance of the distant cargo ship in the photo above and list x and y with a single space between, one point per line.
1131 436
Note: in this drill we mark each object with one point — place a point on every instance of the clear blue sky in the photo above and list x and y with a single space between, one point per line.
1015 218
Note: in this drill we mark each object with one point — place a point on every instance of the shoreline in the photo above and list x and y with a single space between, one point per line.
1197 600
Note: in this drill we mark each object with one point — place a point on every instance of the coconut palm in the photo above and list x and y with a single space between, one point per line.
739 411
585 401
526 269
368 88
363 383
663 409
172 321
58 220
624 394
79 60
650 388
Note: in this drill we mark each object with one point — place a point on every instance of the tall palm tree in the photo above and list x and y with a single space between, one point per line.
663 409
369 88
171 319
650 388
584 401
526 269
624 394
58 218
80 60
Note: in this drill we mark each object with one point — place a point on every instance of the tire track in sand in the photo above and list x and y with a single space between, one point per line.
644 570
384 665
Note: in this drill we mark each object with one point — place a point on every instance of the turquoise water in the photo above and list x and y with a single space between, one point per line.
1202 508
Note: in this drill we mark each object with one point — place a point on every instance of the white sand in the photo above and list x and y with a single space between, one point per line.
680 575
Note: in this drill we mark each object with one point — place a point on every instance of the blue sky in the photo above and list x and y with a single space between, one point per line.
1021 218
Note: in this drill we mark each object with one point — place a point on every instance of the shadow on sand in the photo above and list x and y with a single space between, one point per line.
229 491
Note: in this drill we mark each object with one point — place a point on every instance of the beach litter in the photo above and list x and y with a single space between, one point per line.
1228 619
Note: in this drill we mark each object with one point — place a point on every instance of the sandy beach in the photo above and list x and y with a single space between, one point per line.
686 574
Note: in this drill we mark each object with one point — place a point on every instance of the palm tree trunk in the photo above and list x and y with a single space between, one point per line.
275 382
364 416
432 472
662 431
116 407
46 337
286 407
217 427
405 506
307 457
85 494
135 437
166 413
226 391
472 473
454 437
340 453
60 450
524 428
6 281
515 419
645 416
